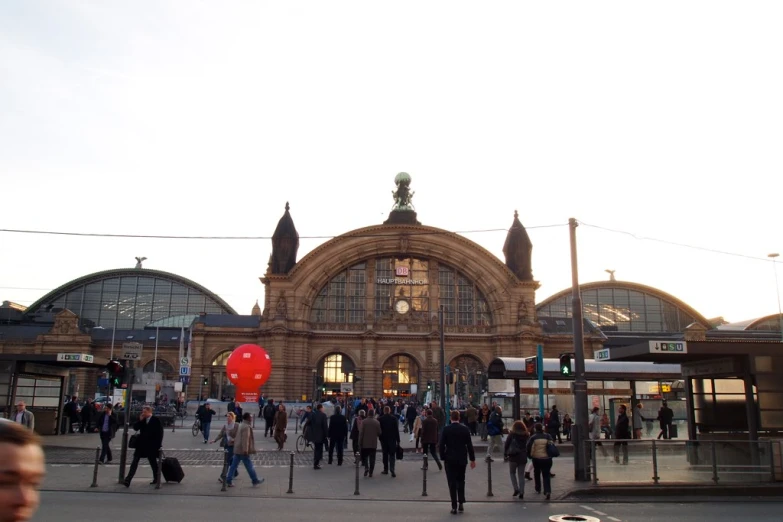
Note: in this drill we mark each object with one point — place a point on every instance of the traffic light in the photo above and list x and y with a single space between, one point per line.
531 366
429 385
565 365
116 373
206 381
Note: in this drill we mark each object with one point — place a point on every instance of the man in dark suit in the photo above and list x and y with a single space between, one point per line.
338 430
390 439
318 427
107 426
455 450
150 441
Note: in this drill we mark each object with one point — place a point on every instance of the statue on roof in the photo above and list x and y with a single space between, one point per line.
139 260
403 195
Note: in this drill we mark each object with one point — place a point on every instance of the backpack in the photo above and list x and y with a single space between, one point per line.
514 448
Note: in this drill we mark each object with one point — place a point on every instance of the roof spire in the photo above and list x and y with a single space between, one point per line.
285 244
519 250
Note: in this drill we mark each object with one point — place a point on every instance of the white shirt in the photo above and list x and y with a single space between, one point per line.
19 416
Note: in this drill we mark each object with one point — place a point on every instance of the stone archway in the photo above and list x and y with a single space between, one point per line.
470 377
333 369
399 372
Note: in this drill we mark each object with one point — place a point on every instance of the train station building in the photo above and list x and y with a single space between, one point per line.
363 309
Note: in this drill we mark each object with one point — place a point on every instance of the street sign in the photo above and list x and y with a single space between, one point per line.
131 351
74 357
184 379
346 387
668 347
185 370
184 361
602 355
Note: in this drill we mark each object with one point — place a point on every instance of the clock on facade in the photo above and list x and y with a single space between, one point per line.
402 306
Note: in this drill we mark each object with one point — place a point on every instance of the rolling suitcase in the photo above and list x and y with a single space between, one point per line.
672 431
172 471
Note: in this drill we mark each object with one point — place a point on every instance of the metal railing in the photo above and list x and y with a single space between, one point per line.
683 462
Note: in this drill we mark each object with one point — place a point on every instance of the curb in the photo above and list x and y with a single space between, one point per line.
676 490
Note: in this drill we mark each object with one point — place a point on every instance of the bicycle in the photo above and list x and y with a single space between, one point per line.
302 444
196 429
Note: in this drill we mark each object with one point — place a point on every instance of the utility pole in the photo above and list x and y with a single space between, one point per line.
442 314
580 381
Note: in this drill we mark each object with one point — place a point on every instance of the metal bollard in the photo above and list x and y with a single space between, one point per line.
489 476
291 476
253 420
160 468
714 463
358 461
95 471
424 479
655 478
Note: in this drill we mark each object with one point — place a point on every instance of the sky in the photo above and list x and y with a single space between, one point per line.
657 125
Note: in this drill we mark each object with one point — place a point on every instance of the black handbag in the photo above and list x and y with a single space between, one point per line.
133 441
551 450
398 453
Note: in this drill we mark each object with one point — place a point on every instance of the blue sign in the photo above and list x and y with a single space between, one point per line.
103 383
184 379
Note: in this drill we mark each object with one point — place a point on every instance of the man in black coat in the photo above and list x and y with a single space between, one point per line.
338 430
107 426
410 417
147 446
318 428
269 417
455 450
390 439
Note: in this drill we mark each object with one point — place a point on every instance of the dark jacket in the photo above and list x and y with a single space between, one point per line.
554 419
622 429
410 413
269 411
429 431
150 437
317 427
521 442
665 416
338 427
113 424
390 430
495 424
440 416
455 444
204 415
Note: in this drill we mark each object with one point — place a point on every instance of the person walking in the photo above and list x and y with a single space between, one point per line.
317 428
594 425
244 446
410 419
553 425
226 436
24 416
269 412
338 429
148 445
86 416
542 462
429 436
638 420
495 432
567 424
417 429
455 450
665 417
483 418
369 434
471 417
357 423
390 439
515 451
439 415
107 427
280 423
204 415
622 432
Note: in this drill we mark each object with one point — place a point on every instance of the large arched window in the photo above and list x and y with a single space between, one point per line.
335 368
399 372
343 298
462 301
614 308
218 385
402 279
221 359
160 366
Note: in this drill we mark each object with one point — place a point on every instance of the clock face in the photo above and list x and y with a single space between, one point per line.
402 306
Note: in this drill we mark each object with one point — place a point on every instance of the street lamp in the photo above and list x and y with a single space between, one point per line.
777 290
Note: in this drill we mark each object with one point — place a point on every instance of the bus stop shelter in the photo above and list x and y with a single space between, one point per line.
40 380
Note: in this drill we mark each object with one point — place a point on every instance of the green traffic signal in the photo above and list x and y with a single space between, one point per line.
565 365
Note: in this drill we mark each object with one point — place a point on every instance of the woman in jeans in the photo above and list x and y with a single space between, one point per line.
542 462
227 434
514 451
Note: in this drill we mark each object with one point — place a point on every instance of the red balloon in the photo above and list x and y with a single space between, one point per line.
249 367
